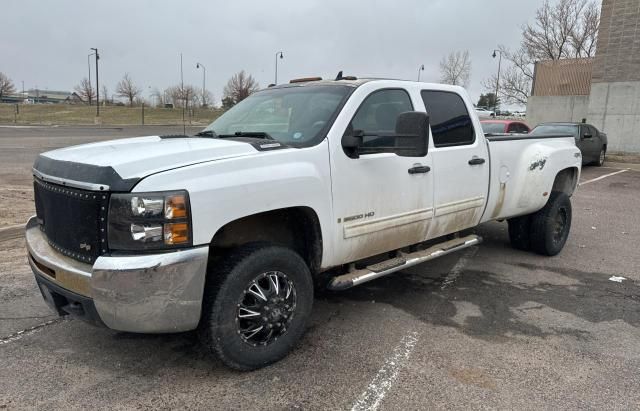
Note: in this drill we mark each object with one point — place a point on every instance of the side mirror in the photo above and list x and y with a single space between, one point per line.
587 135
410 139
351 143
412 134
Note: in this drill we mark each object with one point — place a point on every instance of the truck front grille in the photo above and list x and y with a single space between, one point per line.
73 220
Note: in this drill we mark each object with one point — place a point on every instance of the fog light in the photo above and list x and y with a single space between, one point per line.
146 232
176 233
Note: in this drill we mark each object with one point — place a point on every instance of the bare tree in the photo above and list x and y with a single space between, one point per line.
515 77
190 95
585 34
182 96
127 89
456 68
173 95
240 86
85 90
566 29
6 85
206 98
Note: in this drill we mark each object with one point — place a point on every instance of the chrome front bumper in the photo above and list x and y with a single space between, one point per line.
149 293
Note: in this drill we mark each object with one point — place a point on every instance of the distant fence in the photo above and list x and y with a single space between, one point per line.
112 115
569 77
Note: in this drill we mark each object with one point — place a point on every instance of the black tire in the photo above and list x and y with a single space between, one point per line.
601 157
520 232
227 288
550 226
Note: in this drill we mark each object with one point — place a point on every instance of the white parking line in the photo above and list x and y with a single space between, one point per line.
604 176
23 333
384 379
457 269
378 388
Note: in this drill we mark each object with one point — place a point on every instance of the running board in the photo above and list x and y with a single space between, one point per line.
404 260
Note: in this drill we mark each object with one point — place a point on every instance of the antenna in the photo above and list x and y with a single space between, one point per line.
339 76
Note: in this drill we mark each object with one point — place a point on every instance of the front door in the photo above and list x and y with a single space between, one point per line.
381 201
461 163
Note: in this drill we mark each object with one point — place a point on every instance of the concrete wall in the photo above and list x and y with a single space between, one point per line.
615 109
541 109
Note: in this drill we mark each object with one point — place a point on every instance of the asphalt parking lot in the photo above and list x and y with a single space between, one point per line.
490 327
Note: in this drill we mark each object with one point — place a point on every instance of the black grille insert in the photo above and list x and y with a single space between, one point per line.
73 220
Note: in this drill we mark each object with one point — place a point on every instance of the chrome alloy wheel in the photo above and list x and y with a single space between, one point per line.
266 308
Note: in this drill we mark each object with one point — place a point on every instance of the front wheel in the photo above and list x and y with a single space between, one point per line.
550 226
256 307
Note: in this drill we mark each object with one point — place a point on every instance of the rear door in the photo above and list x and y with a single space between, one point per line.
460 163
596 141
588 145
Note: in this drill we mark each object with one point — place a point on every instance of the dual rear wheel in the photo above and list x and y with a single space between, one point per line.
546 231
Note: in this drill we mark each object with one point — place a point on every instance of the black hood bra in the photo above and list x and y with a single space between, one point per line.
106 176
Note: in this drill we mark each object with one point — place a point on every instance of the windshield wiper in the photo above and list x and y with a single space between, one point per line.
253 134
207 133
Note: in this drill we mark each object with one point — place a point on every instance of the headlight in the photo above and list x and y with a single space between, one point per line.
144 221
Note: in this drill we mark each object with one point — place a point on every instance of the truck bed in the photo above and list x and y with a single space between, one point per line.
523 169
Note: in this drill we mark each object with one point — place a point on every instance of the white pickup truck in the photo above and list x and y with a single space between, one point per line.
314 182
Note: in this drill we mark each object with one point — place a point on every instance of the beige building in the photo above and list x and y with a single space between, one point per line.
605 90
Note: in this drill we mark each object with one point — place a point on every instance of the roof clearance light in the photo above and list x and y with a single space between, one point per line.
304 79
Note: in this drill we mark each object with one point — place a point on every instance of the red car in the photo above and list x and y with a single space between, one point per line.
504 126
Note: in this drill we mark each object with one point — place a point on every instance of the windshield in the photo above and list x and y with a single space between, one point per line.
493 128
555 129
295 116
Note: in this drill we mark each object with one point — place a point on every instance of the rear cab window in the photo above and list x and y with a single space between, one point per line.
492 127
451 124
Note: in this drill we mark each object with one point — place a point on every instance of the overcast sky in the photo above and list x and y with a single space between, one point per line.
45 43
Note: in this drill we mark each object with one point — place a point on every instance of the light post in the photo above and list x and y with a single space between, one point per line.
204 76
420 69
89 69
495 101
279 53
97 83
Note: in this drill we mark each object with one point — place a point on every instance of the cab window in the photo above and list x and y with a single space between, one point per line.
377 116
450 121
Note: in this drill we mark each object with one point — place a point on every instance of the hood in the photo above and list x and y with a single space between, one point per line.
118 165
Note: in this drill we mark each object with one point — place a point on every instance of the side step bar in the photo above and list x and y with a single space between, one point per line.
404 260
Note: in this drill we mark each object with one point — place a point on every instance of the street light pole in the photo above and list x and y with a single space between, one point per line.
421 68
204 76
97 84
89 69
495 101
281 56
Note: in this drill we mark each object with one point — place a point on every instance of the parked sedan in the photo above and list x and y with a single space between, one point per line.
591 142
504 126
484 113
